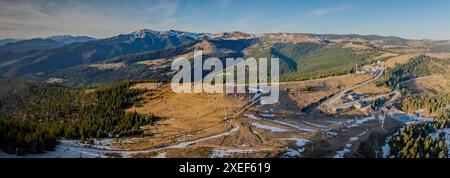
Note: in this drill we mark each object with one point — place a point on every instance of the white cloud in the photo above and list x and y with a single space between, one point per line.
29 19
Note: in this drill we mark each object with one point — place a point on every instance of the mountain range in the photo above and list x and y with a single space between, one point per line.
146 54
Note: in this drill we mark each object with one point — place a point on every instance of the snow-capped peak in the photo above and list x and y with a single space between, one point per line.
147 33
236 35
142 33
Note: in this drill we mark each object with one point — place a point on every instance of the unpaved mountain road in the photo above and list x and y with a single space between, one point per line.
93 151
394 94
331 104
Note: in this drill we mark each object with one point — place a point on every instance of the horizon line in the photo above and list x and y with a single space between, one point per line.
256 34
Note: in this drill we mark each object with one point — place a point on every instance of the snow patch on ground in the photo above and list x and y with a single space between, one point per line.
161 155
386 149
271 128
220 153
73 149
292 153
294 126
315 125
446 133
186 144
299 143
251 116
335 122
331 133
411 119
348 147
63 150
268 115
356 122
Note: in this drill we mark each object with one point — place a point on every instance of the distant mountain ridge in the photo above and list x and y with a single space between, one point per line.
144 46
6 41
29 45
68 39
93 51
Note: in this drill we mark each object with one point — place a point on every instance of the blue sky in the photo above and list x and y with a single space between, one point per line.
417 19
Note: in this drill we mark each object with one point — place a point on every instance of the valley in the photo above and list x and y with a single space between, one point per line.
341 96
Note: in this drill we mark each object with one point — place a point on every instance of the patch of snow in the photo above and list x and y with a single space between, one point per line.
271 128
270 110
331 133
262 102
446 135
315 125
220 153
255 97
251 116
299 143
73 149
294 126
268 115
343 152
356 122
186 144
292 153
161 155
411 119
386 149
335 122
147 33
63 150
348 147
423 119
403 118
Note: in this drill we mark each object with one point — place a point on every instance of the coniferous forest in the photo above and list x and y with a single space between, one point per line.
34 116
423 140
417 141
418 67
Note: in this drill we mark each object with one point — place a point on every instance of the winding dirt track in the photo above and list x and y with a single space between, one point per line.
396 94
99 152
332 102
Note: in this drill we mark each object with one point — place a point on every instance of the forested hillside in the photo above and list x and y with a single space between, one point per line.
427 139
34 116
445 48
437 106
308 60
416 141
418 67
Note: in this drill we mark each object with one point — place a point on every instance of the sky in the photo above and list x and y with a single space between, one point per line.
413 19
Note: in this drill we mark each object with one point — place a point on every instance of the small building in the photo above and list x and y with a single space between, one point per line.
353 96
360 72
379 63
419 113
361 105
372 69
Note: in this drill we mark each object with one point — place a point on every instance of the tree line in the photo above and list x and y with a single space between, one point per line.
417 67
34 117
417 141
437 106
